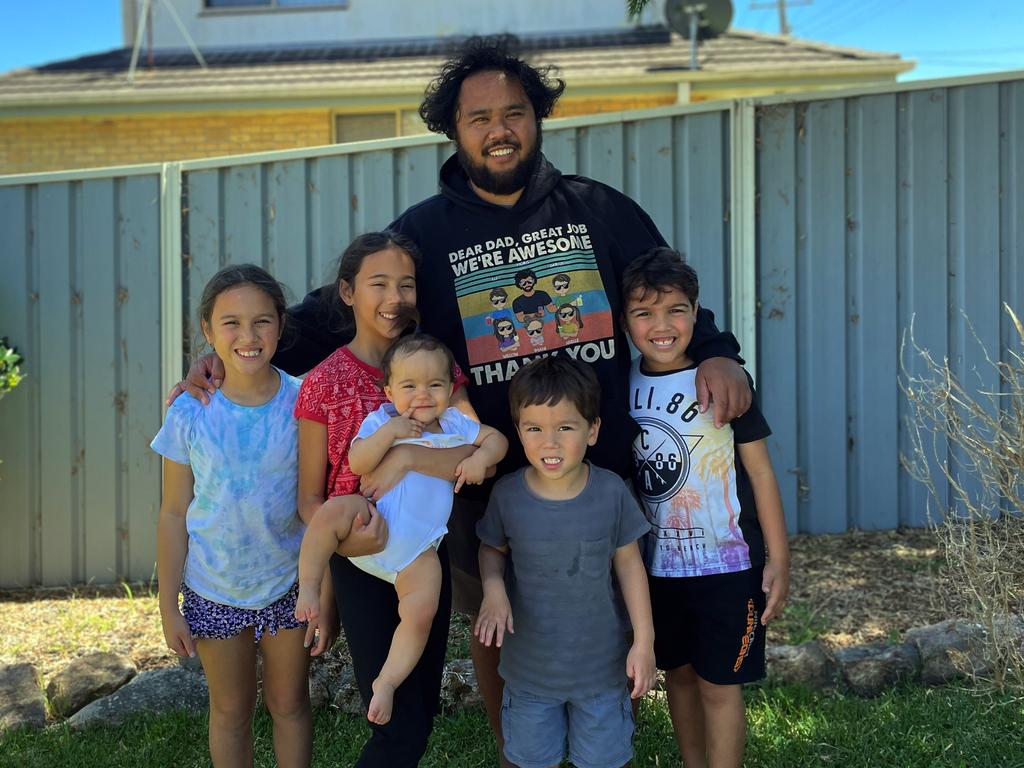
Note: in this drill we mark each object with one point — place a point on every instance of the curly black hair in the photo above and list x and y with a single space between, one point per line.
660 269
497 53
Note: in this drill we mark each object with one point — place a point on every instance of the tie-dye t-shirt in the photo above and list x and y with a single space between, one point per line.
243 525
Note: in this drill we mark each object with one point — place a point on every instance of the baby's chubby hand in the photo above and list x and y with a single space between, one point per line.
404 425
471 470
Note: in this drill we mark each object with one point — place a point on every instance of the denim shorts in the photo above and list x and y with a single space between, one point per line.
594 731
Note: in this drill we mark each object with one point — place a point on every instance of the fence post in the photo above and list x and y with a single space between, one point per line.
742 224
171 327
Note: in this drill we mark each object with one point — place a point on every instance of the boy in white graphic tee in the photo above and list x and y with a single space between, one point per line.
714 506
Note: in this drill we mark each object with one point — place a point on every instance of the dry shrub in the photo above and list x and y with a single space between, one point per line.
967 448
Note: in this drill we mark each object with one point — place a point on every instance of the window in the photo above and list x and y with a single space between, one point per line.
377 125
364 127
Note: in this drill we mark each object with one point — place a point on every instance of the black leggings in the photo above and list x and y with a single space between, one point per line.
368 608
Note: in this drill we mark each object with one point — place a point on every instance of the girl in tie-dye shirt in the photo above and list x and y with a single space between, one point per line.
228 535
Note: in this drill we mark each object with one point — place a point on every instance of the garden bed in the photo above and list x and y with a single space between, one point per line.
847 589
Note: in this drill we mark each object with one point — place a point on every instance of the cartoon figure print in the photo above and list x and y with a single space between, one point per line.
506 334
568 321
560 283
499 300
535 333
531 304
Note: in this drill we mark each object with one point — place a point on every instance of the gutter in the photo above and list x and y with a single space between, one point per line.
297 95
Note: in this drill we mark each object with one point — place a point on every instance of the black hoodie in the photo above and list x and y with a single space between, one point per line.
562 229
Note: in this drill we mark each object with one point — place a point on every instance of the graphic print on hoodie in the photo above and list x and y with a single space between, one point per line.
514 293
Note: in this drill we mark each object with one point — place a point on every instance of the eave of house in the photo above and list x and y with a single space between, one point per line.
410 91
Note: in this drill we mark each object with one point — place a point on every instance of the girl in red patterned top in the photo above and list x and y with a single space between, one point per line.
375 292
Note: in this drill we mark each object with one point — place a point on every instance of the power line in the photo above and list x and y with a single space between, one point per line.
841 20
825 19
966 51
780 6
883 5
969 64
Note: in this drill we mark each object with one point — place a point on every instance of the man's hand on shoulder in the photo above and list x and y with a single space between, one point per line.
204 377
723 382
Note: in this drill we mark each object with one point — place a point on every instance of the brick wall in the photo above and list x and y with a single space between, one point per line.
29 145
575 107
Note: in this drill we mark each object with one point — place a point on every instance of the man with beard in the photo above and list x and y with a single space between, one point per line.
499 188
532 304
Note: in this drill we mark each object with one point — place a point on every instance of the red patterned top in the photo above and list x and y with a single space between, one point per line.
341 392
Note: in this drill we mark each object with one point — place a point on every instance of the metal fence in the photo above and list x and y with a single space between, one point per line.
79 486
877 212
820 226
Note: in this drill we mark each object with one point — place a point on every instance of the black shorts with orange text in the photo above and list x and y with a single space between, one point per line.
712 622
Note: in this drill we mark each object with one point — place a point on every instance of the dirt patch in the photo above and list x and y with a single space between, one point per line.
846 589
859 587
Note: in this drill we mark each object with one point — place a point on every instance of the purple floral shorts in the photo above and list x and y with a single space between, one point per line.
213 620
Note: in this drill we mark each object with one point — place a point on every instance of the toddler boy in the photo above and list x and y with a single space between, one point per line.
714 505
561 526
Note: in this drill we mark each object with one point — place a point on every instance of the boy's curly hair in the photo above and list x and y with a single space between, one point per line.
486 54
660 269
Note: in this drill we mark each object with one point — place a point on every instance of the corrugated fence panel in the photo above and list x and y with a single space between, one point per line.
80 485
1011 223
700 216
873 348
54 224
203 238
288 239
139 398
777 299
19 410
101 295
601 153
923 261
974 247
821 321
878 213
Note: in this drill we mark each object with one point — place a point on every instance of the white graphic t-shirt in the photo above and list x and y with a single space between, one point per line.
690 480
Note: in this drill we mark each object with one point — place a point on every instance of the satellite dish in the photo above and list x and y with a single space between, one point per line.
712 17
698 20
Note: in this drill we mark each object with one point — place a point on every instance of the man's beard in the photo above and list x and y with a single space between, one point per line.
506 182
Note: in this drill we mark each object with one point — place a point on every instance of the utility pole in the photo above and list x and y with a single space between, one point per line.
780 6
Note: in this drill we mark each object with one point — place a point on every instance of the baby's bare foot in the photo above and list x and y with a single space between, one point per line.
383 699
307 604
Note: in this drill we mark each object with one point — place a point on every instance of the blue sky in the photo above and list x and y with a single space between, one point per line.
945 37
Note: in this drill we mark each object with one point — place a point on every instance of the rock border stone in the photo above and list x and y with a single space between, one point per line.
933 655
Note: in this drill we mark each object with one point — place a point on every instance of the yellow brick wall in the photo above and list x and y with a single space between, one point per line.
574 107
29 145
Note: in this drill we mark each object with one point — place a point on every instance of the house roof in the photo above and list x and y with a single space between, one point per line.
652 55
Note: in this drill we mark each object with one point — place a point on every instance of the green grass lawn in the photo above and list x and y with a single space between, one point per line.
789 727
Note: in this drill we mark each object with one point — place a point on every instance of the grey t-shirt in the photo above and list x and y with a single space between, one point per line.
569 637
